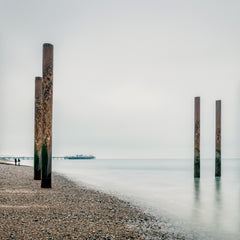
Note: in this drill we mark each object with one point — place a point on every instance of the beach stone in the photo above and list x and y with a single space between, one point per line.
69 211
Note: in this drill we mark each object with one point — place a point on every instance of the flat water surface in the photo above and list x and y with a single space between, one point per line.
166 187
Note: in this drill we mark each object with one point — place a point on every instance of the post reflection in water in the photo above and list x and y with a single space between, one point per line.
238 220
217 202
197 200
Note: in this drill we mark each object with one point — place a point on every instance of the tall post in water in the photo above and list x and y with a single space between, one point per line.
47 97
38 128
197 138
218 140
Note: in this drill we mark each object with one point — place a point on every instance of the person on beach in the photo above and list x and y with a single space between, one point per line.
19 162
15 162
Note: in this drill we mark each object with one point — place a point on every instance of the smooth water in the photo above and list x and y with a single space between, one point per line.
167 188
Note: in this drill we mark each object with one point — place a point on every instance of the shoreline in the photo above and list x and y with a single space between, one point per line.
69 211
7 162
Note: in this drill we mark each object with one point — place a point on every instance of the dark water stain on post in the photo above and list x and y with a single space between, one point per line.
197 138
38 128
218 140
47 97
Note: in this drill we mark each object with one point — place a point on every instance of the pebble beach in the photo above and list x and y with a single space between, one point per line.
69 211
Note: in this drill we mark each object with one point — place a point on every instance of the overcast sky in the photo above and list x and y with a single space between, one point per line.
125 75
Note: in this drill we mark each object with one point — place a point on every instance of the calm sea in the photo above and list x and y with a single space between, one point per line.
166 188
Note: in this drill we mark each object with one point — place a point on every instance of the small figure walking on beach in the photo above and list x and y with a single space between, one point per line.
15 162
19 162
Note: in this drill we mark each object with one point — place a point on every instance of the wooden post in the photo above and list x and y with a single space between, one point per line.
197 138
47 96
218 140
38 128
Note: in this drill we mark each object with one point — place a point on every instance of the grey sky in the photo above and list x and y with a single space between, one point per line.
125 75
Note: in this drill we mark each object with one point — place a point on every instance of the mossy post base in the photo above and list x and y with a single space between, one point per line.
37 166
46 167
218 140
47 97
197 138
197 164
38 128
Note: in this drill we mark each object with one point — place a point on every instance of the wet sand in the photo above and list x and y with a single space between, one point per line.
69 211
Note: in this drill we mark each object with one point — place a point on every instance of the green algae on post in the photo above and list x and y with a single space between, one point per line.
38 128
47 97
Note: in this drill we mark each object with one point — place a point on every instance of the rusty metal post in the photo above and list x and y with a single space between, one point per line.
47 97
218 140
38 128
197 138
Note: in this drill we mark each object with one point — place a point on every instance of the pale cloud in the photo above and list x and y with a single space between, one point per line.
125 75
